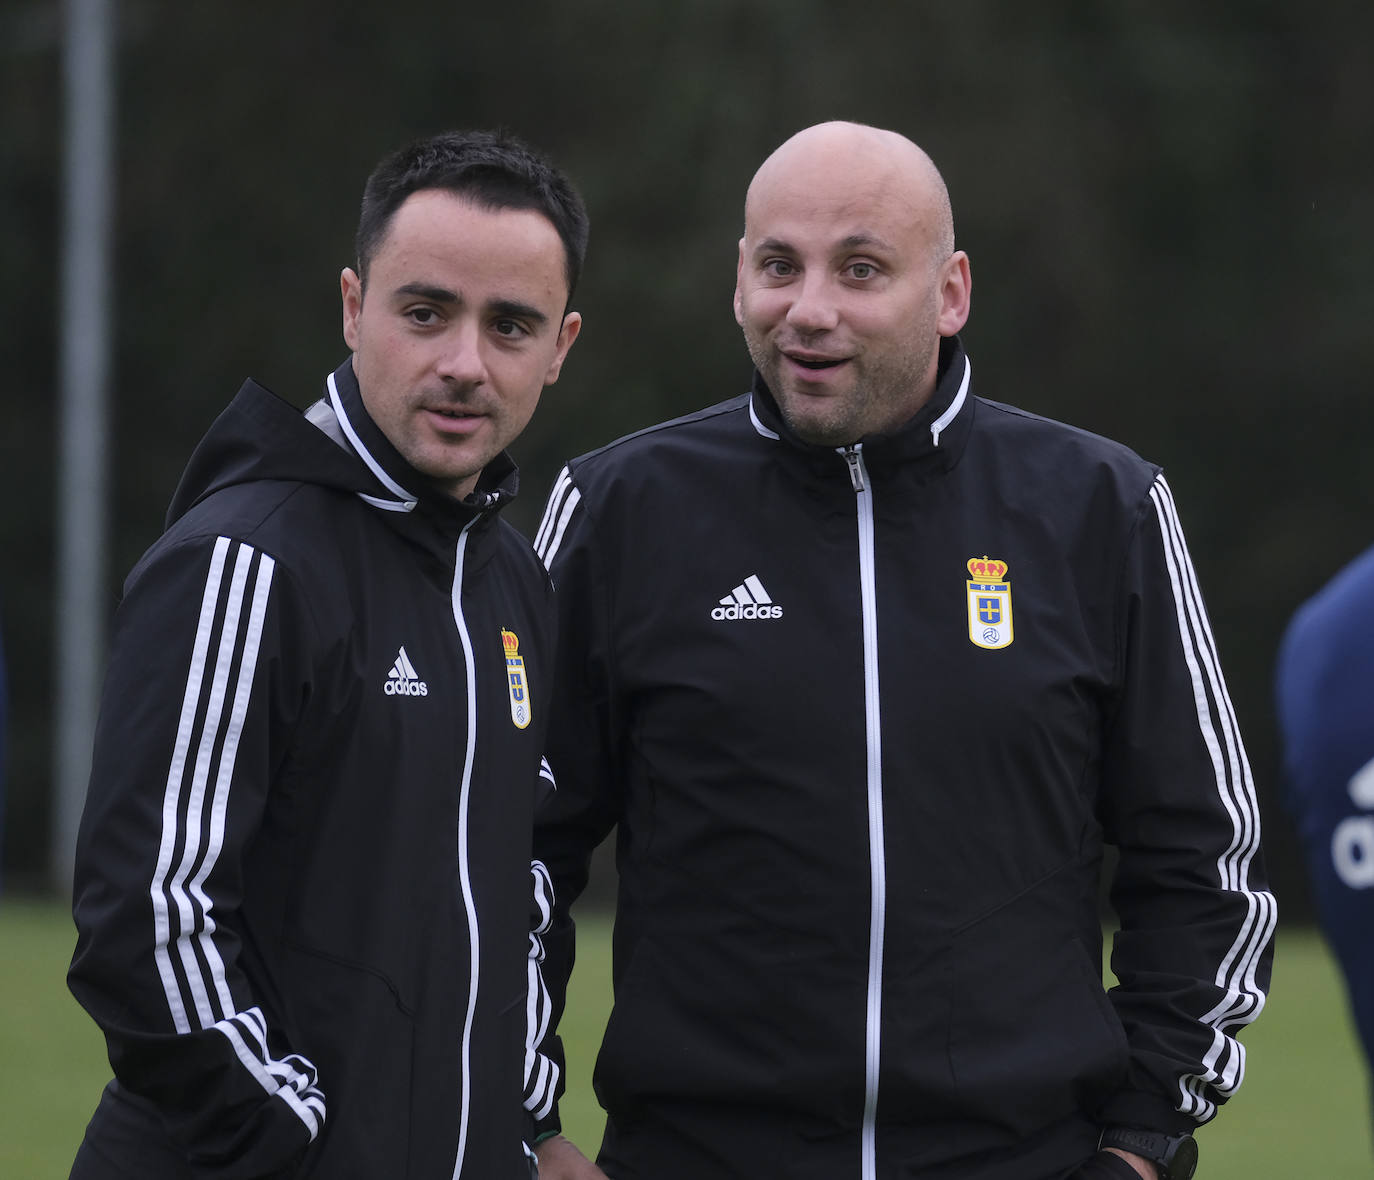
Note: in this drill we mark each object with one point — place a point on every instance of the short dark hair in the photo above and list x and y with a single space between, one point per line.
492 169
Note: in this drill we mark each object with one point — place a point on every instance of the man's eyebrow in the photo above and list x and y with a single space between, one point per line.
426 291
772 246
864 239
515 310
509 308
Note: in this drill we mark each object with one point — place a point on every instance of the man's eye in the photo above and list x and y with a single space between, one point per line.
863 270
778 268
424 316
512 329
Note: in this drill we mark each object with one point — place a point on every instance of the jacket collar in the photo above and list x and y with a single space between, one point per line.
402 489
936 434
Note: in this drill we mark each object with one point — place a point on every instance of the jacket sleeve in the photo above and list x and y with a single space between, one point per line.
1193 952
195 716
579 815
543 1074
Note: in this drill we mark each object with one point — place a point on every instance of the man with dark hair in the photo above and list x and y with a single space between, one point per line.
309 924
480 165
869 671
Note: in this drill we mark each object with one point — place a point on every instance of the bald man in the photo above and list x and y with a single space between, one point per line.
868 672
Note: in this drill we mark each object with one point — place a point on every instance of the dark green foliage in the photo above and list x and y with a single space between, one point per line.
1168 209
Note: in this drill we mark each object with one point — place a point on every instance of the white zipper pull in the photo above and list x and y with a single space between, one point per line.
856 471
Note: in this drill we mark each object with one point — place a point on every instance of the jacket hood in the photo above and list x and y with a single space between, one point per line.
336 445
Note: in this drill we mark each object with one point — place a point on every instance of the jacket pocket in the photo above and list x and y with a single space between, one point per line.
1033 1037
732 1013
362 1042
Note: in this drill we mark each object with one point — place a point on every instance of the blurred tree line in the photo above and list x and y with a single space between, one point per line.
1169 209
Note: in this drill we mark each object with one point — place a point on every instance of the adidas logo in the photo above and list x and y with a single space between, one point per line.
748 600
403 680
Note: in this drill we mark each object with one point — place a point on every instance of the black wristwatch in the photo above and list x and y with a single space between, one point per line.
1174 1155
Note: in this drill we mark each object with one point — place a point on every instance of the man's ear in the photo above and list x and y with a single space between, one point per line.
572 326
351 288
739 275
956 295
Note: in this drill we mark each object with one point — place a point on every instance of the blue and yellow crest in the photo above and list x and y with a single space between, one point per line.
515 679
989 603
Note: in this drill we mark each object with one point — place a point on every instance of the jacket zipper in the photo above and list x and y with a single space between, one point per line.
863 495
464 869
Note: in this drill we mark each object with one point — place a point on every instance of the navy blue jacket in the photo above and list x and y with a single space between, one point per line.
1325 686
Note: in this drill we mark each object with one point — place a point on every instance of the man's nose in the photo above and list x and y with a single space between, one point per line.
814 308
461 360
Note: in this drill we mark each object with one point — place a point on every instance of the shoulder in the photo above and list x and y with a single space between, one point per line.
1333 620
688 436
1066 459
265 510
1323 683
1060 438
297 525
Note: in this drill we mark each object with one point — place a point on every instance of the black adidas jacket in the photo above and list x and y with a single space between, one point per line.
303 883
867 722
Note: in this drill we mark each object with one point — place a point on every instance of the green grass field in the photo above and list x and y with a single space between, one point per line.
1302 1115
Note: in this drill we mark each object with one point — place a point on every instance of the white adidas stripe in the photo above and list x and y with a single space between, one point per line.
295 1087
202 787
563 501
195 915
541 1073
1224 1064
755 587
219 802
172 791
748 593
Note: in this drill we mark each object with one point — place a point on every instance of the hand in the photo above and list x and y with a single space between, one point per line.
1113 1164
1144 1167
559 1159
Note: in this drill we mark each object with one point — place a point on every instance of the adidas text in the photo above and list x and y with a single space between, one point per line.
407 688
747 611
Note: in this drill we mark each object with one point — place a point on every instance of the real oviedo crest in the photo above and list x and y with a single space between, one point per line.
515 680
989 603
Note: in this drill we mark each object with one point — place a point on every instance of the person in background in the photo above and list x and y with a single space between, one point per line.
869 672
308 918
1325 691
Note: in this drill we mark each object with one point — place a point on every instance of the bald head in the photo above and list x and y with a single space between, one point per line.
848 279
846 165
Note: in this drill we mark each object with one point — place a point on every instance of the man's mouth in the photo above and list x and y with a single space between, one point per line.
813 362
459 421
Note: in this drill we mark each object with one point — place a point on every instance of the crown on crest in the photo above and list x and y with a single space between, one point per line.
511 642
986 568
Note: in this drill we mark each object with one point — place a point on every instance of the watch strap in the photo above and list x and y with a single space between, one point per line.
1174 1155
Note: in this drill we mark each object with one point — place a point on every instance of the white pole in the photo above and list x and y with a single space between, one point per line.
84 375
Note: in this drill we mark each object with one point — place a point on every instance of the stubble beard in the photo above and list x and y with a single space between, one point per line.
846 418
